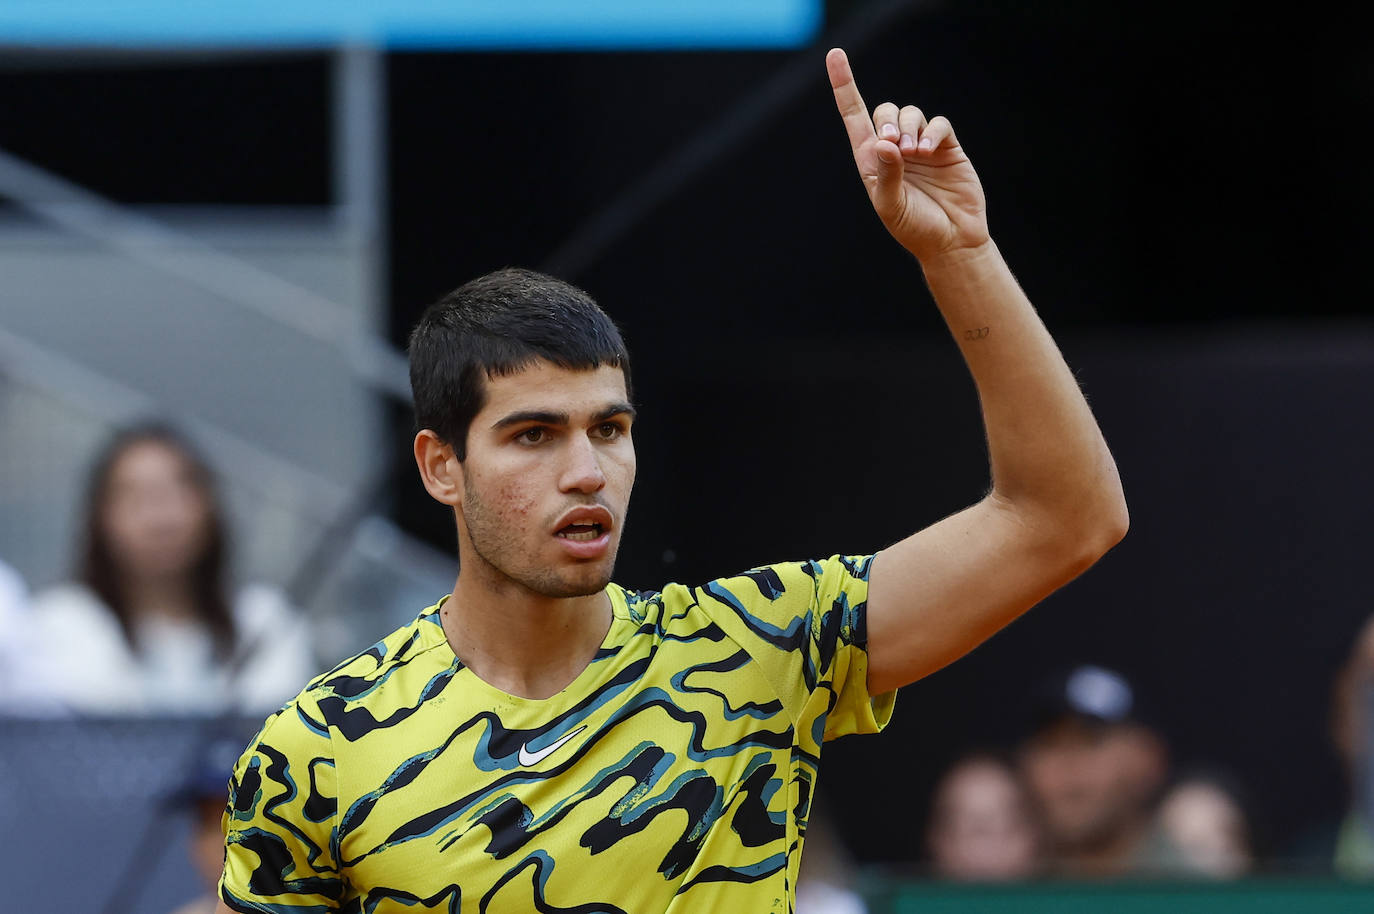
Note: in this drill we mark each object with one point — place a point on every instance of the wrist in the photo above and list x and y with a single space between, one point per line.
960 258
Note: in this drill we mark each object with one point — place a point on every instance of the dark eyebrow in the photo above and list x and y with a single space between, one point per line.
539 416
615 409
545 417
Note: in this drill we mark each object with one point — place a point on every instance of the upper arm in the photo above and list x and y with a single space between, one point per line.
279 824
942 591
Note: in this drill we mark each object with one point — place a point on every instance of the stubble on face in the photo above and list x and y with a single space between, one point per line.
549 440
497 544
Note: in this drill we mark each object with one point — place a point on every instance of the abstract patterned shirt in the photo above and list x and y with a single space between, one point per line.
674 774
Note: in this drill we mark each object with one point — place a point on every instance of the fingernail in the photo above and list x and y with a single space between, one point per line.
888 132
907 141
927 143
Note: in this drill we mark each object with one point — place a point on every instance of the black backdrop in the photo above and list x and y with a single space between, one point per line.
1183 192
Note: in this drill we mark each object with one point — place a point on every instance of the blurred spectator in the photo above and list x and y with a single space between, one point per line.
1095 771
14 621
148 626
825 881
205 795
1204 817
982 826
1346 846
1353 725
22 671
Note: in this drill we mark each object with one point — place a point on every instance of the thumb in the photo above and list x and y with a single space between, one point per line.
887 195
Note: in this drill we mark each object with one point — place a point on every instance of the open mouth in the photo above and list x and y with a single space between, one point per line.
581 532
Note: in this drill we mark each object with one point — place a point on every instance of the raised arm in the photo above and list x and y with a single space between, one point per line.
1055 505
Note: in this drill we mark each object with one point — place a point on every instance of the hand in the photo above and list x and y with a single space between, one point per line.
921 184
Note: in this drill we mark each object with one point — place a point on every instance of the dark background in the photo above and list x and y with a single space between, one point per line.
1184 193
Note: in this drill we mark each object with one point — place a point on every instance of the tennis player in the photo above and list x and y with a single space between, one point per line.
544 740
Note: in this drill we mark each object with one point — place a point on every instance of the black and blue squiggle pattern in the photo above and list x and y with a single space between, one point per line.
673 775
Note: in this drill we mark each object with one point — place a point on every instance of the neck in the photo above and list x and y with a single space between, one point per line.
170 597
1108 857
521 642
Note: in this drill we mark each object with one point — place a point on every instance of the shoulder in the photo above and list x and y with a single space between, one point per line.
296 727
772 582
67 597
398 672
789 588
73 604
258 605
779 603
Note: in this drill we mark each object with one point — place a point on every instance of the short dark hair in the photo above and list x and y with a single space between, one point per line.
496 325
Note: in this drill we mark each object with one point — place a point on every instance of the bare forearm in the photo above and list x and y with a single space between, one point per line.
1047 453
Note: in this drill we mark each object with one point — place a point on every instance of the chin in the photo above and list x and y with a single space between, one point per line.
586 586
580 582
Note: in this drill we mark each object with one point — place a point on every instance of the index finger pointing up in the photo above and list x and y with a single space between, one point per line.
852 108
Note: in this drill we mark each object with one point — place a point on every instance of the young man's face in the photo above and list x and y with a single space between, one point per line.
547 478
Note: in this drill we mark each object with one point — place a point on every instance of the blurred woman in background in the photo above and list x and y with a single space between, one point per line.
149 625
1203 817
982 826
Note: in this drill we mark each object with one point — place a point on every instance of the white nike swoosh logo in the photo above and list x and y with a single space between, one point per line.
528 758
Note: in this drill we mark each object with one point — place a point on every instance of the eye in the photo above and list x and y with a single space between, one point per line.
532 435
609 430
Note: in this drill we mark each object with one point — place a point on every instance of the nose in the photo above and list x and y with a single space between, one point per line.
583 472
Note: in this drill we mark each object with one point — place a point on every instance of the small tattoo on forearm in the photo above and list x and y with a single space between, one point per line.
977 333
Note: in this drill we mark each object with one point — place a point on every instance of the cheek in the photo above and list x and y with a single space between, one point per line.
507 500
127 532
622 469
515 503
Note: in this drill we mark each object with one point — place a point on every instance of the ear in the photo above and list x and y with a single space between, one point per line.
440 469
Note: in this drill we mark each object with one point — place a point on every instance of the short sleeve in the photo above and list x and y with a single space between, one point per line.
804 623
280 825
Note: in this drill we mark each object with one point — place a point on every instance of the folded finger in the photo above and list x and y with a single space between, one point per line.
885 118
910 121
939 132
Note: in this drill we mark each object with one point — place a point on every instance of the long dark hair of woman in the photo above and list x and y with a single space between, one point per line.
99 569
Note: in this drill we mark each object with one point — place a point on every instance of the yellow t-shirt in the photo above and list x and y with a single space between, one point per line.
673 774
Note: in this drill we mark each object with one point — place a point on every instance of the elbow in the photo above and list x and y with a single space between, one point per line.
1073 531
1071 538
1097 529
1114 518
1118 524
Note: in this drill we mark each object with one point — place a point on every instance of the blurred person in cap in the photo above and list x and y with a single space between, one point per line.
204 795
149 624
1095 771
983 827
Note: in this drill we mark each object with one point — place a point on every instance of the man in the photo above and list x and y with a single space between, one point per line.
545 740
1095 770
